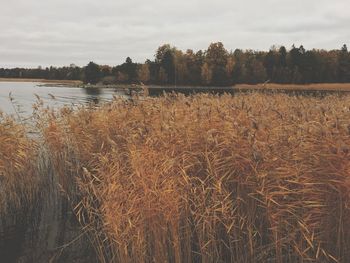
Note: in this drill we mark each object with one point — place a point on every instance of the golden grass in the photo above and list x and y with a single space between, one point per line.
250 178
18 177
296 87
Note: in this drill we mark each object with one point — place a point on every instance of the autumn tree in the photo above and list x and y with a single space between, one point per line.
257 71
216 58
239 69
143 73
105 71
161 52
165 58
215 66
206 74
230 64
168 64
162 76
122 77
182 72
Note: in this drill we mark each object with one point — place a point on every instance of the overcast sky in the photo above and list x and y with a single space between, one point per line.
60 32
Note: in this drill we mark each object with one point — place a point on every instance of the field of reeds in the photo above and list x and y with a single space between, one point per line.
35 225
19 182
204 178
250 178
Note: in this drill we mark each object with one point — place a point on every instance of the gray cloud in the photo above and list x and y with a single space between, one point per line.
60 32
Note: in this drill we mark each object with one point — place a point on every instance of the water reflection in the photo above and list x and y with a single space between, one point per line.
24 96
93 95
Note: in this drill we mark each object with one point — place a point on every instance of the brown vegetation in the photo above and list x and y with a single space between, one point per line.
250 178
18 177
296 87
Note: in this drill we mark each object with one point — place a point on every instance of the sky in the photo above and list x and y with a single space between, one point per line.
60 32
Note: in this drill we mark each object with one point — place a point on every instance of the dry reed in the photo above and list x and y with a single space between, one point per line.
336 87
250 178
18 177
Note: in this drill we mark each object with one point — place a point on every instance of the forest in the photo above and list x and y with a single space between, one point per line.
215 66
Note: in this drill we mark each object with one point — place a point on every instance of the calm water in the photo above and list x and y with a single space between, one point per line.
23 94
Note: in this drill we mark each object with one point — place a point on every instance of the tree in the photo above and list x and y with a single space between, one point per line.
128 60
143 73
215 66
206 74
270 63
168 64
297 63
122 77
92 73
344 64
105 71
258 71
331 66
161 51
129 68
296 77
216 54
162 76
282 56
165 58
230 66
216 57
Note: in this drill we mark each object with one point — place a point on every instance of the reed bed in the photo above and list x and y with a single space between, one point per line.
335 87
19 180
36 222
249 178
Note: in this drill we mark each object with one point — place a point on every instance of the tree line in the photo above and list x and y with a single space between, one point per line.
215 66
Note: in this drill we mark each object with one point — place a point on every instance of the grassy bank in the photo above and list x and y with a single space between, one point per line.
249 178
296 87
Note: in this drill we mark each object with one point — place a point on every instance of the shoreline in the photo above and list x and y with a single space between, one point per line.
341 87
47 81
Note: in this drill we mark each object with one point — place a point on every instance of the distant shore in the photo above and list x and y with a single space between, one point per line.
345 87
334 87
74 82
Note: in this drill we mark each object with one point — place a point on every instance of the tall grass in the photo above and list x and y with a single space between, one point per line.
36 224
18 176
335 87
250 178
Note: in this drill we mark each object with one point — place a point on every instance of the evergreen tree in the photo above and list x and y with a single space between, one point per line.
92 73
344 65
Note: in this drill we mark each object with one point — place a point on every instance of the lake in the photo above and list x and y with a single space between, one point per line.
24 96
